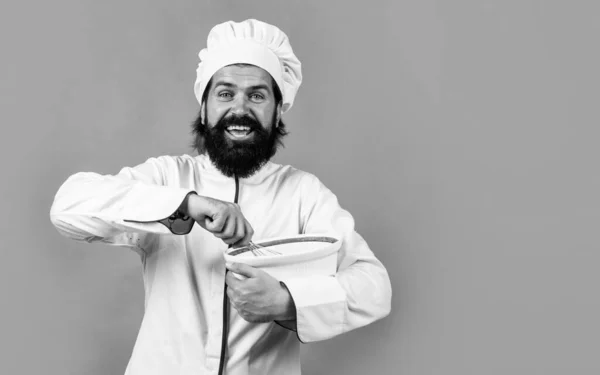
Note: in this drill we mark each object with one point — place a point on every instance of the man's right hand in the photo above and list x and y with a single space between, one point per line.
223 219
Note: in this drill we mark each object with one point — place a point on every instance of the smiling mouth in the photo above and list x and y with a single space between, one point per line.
239 131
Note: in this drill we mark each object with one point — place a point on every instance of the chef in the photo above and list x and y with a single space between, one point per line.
181 213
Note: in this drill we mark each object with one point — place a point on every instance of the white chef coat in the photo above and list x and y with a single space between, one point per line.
184 275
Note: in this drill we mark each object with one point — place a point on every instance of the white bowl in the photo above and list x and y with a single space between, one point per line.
300 256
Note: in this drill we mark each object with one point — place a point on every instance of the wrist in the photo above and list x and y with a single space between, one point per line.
185 206
288 308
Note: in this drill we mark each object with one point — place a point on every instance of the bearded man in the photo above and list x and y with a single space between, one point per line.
247 78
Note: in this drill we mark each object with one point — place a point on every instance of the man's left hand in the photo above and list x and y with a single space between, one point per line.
257 296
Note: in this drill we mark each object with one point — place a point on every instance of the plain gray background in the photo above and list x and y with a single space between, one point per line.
461 134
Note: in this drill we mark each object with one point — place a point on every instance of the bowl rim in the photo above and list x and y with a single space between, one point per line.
328 248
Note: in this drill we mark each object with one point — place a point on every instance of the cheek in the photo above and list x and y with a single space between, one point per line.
214 114
266 117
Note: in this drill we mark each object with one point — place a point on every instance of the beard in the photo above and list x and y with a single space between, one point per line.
237 158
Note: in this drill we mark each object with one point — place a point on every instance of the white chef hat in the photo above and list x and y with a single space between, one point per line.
250 42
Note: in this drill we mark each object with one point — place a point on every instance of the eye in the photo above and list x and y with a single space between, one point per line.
225 95
257 96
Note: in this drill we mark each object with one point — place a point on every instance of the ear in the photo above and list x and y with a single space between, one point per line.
278 115
203 112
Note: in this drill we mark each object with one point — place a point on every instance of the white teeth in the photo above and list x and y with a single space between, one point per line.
238 127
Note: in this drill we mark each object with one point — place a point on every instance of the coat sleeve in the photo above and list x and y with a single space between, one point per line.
122 209
359 294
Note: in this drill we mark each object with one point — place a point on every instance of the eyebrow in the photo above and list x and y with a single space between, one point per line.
251 88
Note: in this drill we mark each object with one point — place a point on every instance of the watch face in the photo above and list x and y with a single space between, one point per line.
179 223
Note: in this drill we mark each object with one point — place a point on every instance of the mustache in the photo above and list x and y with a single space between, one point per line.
243 120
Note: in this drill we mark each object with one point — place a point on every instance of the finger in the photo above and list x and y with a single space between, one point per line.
231 294
240 230
241 243
247 236
227 230
215 225
232 281
242 269
232 229
238 309
247 316
249 232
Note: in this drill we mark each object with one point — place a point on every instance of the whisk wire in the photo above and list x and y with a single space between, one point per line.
258 250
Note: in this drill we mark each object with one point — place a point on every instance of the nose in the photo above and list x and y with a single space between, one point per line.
240 105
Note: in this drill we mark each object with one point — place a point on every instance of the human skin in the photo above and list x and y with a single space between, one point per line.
241 91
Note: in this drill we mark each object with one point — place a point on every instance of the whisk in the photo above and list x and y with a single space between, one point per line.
261 250
257 250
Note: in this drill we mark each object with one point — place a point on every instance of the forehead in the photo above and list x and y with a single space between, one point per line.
242 76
